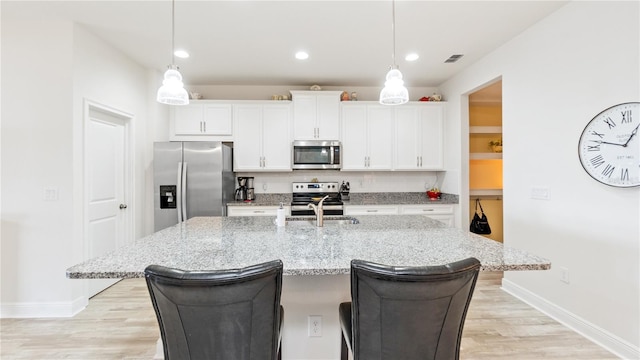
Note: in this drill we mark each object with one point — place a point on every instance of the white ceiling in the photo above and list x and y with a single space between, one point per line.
253 42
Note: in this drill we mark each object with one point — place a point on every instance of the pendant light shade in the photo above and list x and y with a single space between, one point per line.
394 91
172 91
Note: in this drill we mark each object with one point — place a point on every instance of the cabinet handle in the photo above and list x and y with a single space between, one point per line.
427 209
420 161
372 210
201 126
204 126
264 161
258 211
368 161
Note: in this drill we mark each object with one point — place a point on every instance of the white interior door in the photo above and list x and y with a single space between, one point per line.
106 169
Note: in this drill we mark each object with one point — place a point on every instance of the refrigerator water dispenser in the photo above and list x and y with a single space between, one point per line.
167 196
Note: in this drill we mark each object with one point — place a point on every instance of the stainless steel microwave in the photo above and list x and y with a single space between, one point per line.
316 155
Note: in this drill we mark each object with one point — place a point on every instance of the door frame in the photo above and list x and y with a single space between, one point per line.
124 119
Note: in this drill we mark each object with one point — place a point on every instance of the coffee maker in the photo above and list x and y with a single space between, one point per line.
251 194
245 190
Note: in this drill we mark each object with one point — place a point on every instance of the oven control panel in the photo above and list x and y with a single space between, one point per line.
315 187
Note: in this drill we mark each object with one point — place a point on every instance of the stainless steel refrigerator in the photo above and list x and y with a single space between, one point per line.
191 179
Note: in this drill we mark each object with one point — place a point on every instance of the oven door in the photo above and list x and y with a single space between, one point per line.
316 155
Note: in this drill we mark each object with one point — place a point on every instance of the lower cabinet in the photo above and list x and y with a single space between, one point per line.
370 210
443 213
255 210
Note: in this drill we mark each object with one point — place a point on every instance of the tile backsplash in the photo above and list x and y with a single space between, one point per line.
361 182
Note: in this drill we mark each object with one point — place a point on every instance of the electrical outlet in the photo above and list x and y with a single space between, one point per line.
264 186
564 275
315 325
50 193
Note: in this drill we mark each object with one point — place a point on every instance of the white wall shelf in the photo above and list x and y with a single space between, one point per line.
485 156
485 129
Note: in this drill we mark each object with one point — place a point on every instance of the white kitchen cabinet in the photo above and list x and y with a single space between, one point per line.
419 136
443 213
255 210
202 118
353 210
262 140
366 130
316 115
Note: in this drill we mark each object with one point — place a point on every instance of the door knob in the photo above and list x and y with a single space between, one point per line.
123 206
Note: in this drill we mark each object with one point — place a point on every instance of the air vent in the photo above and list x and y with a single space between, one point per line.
453 58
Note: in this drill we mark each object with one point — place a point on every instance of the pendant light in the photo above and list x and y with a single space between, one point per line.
172 91
394 92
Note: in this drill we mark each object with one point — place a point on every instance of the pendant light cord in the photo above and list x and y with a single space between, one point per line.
393 30
173 32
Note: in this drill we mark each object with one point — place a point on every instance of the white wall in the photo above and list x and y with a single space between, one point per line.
556 76
51 68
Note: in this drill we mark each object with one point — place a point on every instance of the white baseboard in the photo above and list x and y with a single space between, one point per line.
603 338
43 310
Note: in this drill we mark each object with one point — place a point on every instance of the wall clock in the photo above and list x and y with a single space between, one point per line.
609 147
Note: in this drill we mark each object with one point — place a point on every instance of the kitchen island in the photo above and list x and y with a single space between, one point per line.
316 260
232 242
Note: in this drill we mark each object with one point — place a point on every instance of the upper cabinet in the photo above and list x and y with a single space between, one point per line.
208 118
262 137
316 115
419 136
366 131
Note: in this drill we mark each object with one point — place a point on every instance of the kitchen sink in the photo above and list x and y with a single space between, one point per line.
328 220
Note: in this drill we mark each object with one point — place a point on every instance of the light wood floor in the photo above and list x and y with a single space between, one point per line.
119 323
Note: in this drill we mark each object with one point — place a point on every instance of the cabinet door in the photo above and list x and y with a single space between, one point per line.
370 210
354 142
379 135
304 117
432 145
247 147
276 138
328 117
188 119
218 119
408 139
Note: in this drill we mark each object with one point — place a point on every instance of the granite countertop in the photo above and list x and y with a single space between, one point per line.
233 242
383 198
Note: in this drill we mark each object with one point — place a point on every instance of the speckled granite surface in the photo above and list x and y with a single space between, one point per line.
405 198
389 198
232 242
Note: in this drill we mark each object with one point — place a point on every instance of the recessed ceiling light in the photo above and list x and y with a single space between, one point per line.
181 54
302 55
412 57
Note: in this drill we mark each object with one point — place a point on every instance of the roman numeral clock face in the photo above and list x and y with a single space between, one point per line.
609 146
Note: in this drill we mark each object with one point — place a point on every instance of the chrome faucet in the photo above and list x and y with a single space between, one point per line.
317 209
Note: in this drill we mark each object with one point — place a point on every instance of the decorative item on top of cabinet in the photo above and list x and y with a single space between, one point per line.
419 136
262 137
212 118
316 115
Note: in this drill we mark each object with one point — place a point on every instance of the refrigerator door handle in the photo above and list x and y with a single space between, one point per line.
184 192
179 192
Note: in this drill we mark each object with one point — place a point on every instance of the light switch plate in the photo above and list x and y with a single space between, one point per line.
540 193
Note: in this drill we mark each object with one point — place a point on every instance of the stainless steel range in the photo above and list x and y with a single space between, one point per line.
305 193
